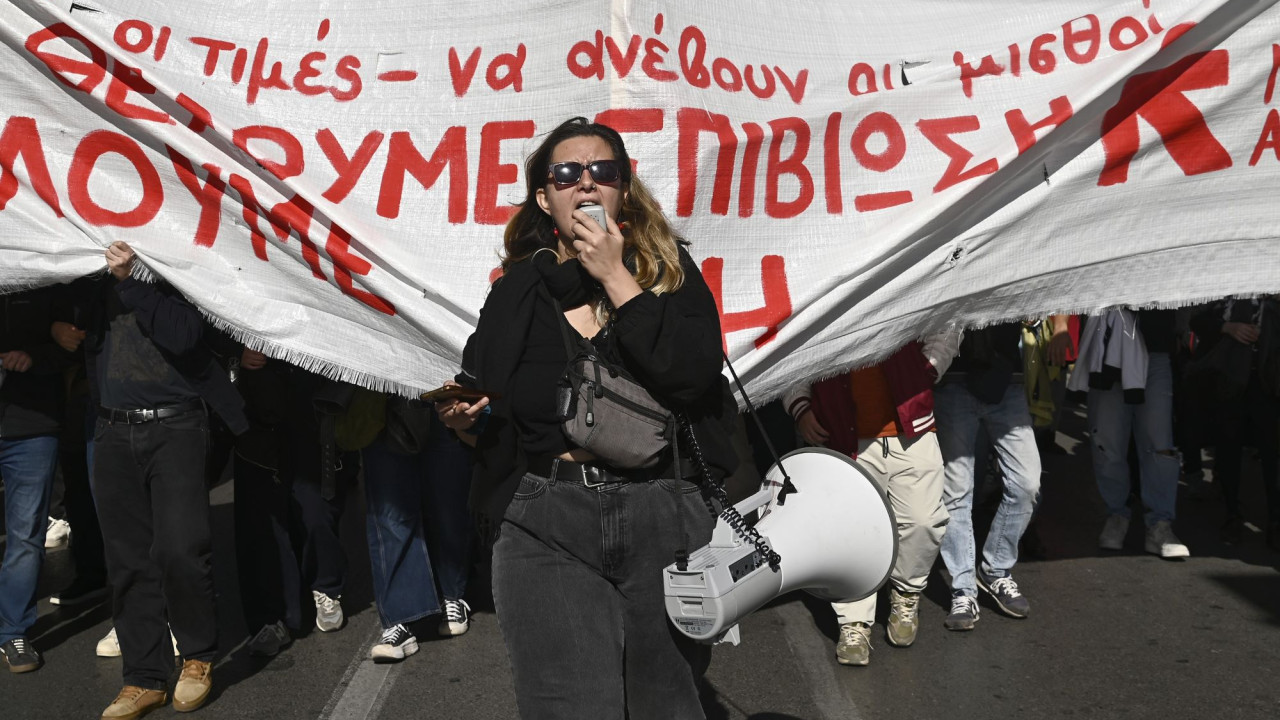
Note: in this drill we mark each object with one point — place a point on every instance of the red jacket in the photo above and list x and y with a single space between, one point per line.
910 378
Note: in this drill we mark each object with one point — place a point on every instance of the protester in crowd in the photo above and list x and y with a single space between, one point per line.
632 289
1125 366
153 376
89 584
291 482
1239 363
30 367
1048 348
983 390
417 475
882 417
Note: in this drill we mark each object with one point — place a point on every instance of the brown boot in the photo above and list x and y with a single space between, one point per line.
134 702
193 685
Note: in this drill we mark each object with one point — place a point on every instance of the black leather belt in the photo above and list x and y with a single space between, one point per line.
142 415
593 475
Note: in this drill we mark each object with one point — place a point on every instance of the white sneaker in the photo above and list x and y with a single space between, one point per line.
108 646
457 618
328 611
1161 541
1113 533
396 644
58 534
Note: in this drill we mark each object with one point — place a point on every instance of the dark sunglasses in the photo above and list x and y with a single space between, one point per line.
569 173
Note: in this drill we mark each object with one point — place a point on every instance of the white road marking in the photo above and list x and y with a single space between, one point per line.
364 687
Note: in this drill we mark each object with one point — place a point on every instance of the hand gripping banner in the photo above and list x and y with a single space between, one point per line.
329 180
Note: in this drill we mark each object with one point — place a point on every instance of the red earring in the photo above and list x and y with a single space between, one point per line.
555 231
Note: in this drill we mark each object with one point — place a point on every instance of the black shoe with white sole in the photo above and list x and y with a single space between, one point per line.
396 644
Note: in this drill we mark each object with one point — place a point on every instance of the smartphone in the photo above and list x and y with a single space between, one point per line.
456 392
597 213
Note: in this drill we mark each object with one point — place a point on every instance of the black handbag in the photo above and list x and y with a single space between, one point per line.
605 411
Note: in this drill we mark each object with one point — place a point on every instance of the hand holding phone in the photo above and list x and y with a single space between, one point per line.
445 393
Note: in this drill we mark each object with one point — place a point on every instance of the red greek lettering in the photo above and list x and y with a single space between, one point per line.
750 162
792 165
770 316
765 91
622 62
1271 78
257 80
862 79
1134 27
639 120
691 123
461 73
1159 97
346 70
208 195
123 79
1041 58
403 157
795 89
1024 132
493 173
939 133
349 169
695 67
507 70
145 34
831 165
91 148
21 138
306 71
968 73
879 123
1089 36
293 162
1269 140
200 117
213 49
593 67
91 71
347 263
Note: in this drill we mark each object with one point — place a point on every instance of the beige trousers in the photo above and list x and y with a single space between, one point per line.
910 473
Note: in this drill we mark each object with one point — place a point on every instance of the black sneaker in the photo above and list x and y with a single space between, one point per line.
1006 594
964 613
396 644
457 618
20 656
79 592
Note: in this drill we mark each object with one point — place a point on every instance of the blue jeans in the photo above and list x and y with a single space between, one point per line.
27 467
1008 424
416 502
1110 422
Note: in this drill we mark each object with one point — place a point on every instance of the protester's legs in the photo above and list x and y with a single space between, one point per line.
1109 426
1232 425
662 665
27 465
182 548
324 563
403 584
123 495
447 466
86 547
1009 427
915 492
1153 433
560 618
265 562
956 411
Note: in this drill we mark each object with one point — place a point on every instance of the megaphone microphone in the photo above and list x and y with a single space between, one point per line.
836 536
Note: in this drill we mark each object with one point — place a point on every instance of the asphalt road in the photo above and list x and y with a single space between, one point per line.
1123 635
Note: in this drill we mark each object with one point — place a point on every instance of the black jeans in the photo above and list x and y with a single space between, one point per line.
74 455
577 582
1255 417
148 480
287 541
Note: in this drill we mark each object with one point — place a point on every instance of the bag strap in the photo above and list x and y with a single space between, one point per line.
563 323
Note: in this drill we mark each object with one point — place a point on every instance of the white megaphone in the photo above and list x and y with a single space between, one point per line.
836 536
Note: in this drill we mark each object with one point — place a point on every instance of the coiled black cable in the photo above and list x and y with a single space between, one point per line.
713 488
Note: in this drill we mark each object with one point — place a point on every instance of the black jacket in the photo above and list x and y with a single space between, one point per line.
30 402
178 331
671 343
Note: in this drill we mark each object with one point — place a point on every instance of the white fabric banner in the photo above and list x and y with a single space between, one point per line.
329 180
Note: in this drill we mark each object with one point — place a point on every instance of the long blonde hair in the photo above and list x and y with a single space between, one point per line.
650 242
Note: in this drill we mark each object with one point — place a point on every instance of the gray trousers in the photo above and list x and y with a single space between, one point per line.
577 582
